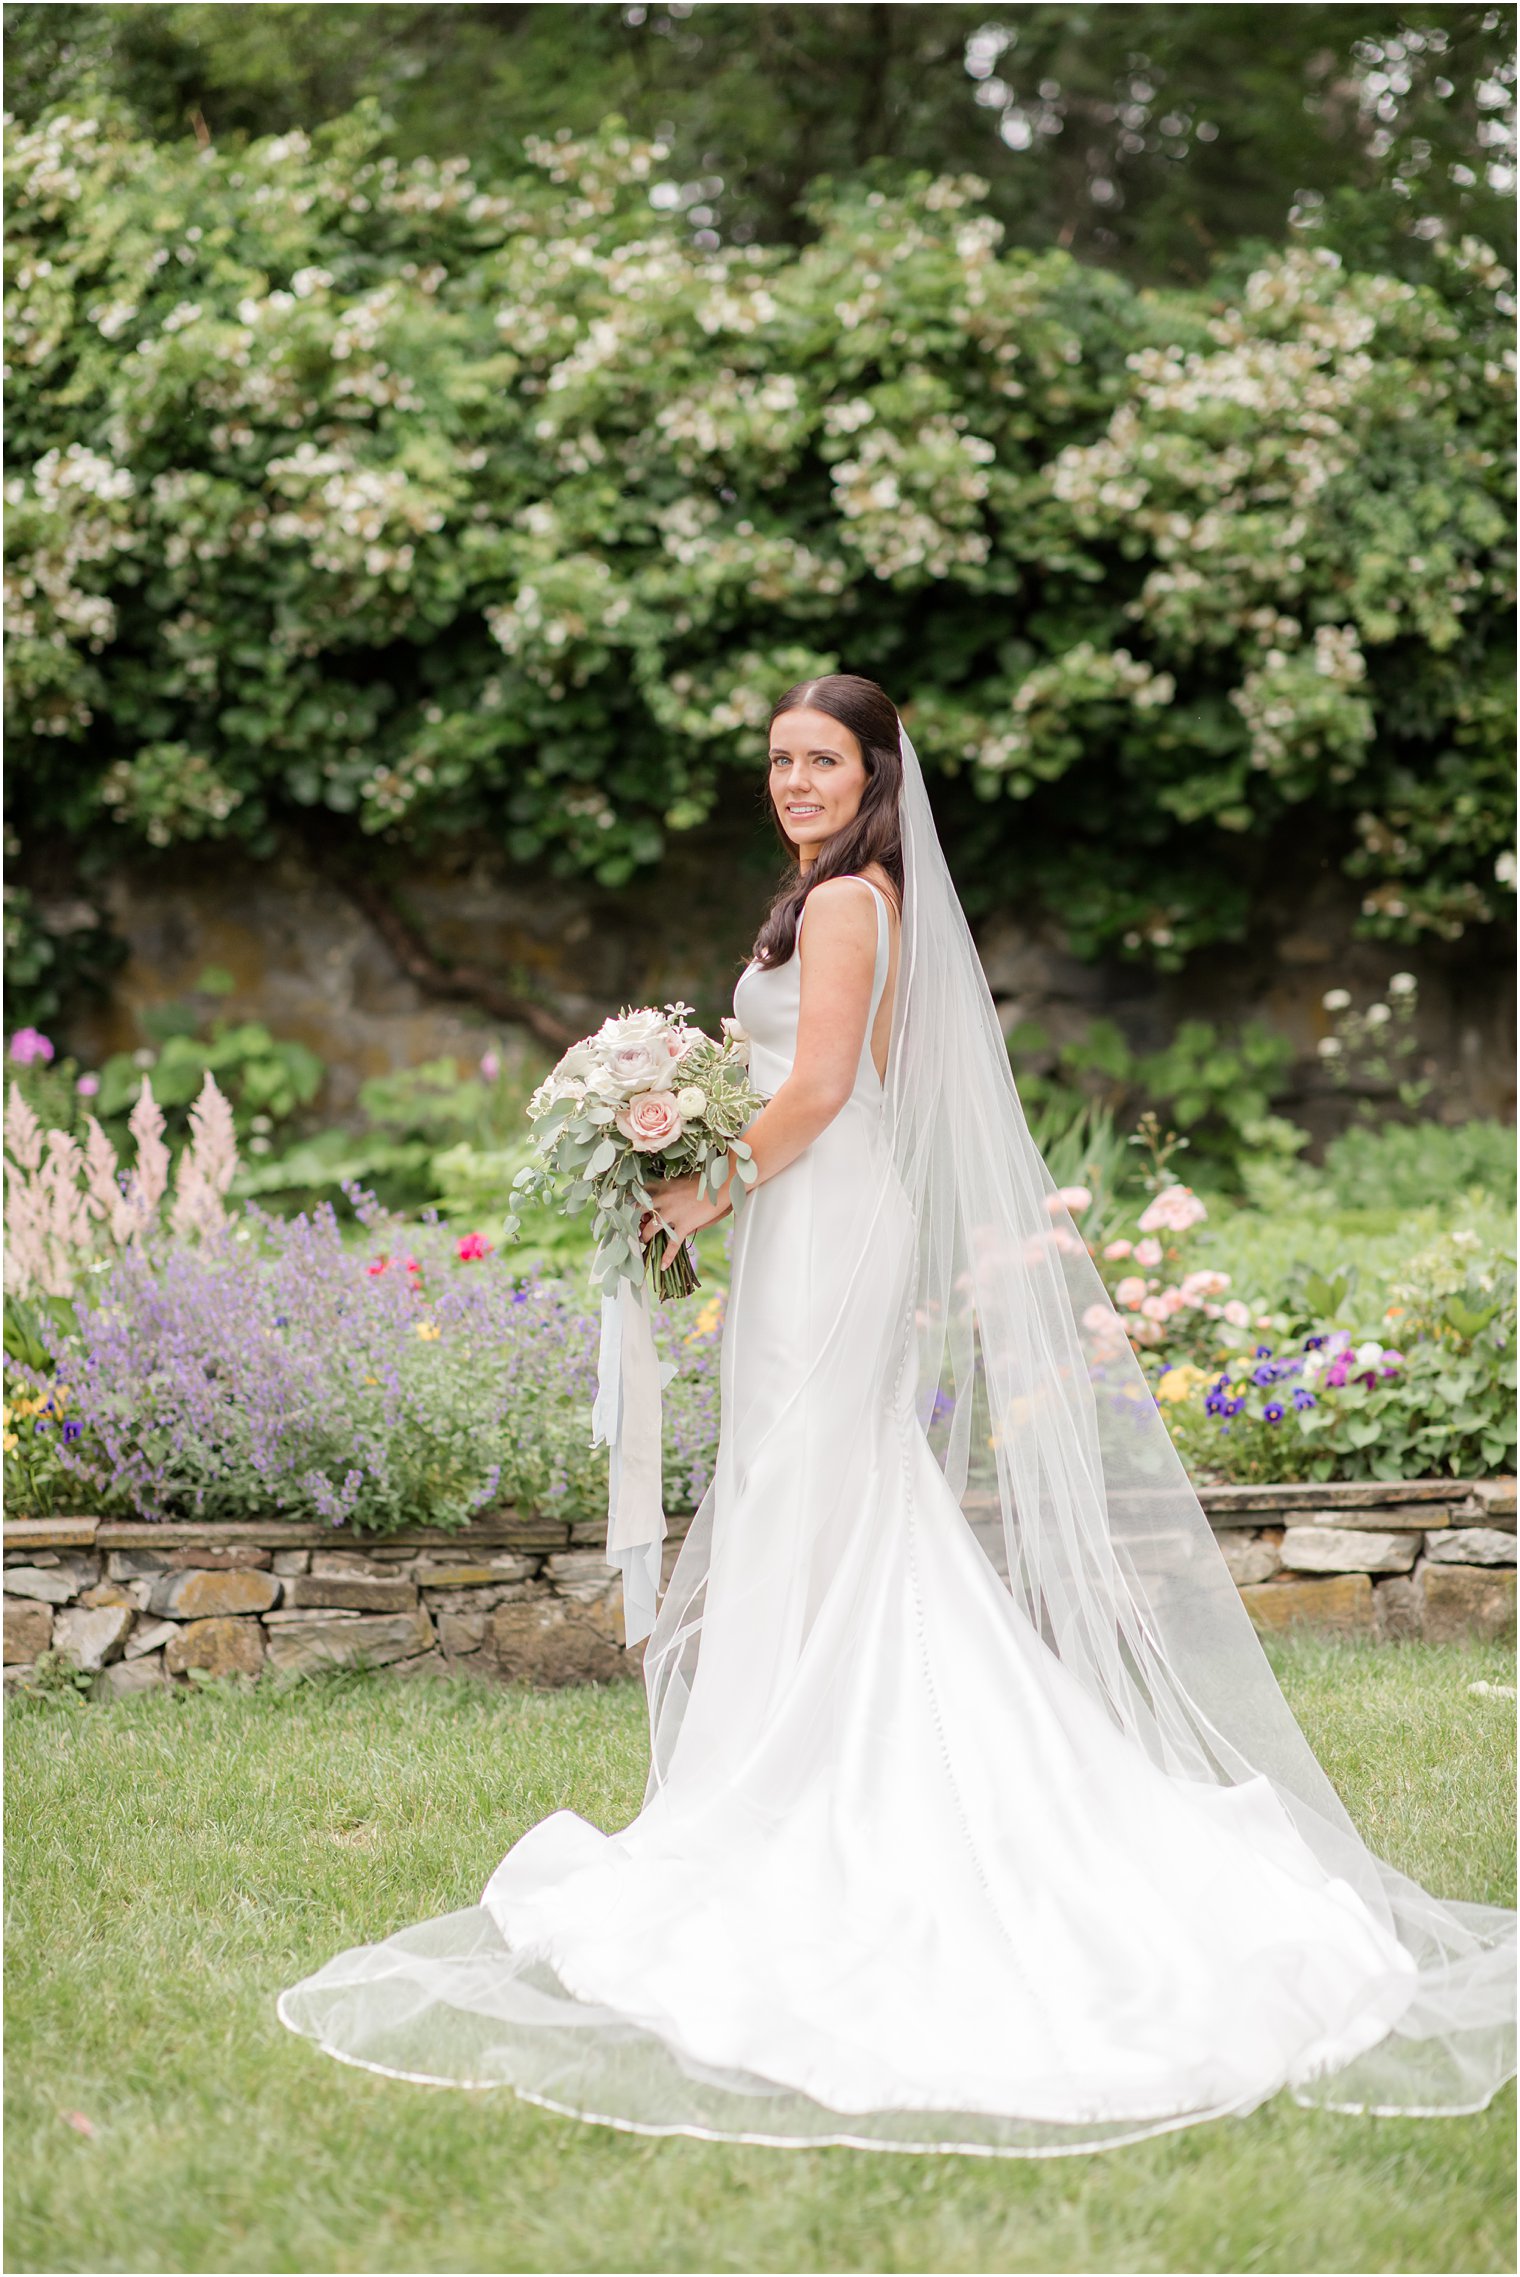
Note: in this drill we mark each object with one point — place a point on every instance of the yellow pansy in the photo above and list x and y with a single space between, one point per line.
1180 1383
429 1331
8 1441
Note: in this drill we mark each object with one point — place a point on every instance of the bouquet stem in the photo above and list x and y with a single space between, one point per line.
672 1281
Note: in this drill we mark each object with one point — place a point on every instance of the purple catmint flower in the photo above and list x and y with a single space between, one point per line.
264 1370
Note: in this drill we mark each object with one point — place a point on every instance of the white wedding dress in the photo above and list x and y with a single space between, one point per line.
901 1878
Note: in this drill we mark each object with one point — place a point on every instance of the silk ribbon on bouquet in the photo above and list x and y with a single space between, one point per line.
626 1418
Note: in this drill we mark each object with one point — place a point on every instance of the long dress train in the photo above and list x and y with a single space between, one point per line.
898 1880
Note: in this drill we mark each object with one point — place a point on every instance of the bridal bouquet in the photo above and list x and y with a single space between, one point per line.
648 1096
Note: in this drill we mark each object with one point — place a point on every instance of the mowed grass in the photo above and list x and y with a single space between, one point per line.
173 1862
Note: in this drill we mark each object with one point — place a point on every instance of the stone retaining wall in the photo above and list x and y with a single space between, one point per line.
532 1600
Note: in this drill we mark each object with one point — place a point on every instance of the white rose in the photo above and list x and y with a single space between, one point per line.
576 1063
638 1049
692 1103
603 1084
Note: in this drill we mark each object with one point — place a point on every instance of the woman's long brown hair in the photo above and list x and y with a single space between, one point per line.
873 836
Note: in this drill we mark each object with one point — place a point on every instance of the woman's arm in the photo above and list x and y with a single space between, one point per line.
837 948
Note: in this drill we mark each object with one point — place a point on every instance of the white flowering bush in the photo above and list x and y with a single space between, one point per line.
453 508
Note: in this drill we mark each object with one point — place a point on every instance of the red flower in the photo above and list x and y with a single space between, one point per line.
379 1266
472 1247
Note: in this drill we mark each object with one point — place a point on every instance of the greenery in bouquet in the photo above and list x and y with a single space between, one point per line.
648 1097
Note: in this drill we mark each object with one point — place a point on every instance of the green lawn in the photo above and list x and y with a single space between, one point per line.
175 1860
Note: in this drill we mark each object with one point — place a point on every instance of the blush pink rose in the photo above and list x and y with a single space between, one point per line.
650 1122
1147 1253
1130 1291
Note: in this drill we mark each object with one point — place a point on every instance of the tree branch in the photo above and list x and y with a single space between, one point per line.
460 983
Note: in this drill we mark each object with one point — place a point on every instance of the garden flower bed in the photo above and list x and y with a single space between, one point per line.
303 1442
276 1366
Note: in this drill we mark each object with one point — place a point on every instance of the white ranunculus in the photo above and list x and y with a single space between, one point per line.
692 1103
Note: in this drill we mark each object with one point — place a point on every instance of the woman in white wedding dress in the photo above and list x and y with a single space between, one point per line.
975 1820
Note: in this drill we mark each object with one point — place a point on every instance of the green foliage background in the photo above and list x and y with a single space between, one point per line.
402 500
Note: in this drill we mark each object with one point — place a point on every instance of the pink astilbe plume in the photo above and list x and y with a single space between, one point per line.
25 1246
207 1166
23 1132
47 1219
27 1261
150 1175
102 1178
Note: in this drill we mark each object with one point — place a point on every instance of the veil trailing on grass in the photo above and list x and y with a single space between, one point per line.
764 1953
1046 1429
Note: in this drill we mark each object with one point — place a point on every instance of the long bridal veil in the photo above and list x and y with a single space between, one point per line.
1053 1448
1041 1415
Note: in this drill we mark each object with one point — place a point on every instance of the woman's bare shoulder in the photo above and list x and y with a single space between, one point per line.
848 913
875 875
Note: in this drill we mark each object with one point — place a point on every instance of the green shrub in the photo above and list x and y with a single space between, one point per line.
1405 1166
449 509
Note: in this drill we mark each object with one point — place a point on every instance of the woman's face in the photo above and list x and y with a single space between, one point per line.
817 778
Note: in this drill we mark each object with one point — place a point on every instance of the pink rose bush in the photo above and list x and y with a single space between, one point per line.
647 1097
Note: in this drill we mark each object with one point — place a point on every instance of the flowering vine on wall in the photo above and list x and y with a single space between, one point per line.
456 508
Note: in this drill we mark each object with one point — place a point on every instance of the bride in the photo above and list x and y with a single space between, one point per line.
975 1818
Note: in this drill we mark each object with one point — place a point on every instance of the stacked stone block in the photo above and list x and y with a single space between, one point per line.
525 1599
